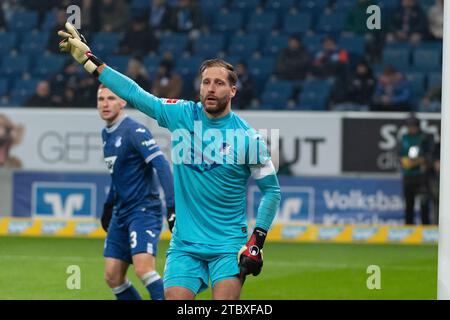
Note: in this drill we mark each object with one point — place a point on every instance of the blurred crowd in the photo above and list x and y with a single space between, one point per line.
366 80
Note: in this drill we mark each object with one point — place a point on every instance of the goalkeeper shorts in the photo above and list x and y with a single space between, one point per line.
192 265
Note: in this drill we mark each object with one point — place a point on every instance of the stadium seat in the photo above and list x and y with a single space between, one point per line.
434 79
7 42
34 42
313 6
119 62
22 90
228 23
50 21
245 7
312 42
344 5
331 23
3 86
262 23
398 57
275 43
427 59
175 43
417 83
15 65
209 9
276 5
244 45
50 64
353 44
277 94
104 43
209 45
297 23
187 67
260 69
314 95
23 21
151 64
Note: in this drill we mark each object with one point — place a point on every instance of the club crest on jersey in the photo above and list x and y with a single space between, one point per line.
110 163
225 150
141 130
118 142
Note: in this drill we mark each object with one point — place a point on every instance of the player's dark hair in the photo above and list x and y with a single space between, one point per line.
232 76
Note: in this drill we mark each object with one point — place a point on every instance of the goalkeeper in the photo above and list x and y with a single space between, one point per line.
209 240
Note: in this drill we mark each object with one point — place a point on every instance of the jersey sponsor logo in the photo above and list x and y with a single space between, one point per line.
110 163
63 200
170 101
118 142
141 130
148 143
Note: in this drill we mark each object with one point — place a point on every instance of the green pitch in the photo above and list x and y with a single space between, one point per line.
35 268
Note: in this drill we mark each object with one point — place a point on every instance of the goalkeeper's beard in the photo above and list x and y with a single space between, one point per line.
219 107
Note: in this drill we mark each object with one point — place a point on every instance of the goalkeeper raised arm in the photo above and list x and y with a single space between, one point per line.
214 152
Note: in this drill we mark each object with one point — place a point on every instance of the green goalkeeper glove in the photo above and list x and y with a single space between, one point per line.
75 43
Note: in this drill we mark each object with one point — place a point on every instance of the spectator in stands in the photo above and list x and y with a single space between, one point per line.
359 91
167 83
436 20
136 71
42 7
245 87
331 60
431 102
356 19
159 16
408 23
415 153
61 18
71 98
293 62
392 92
139 39
114 15
42 97
186 17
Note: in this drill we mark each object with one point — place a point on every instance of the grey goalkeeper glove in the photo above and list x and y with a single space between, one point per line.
75 43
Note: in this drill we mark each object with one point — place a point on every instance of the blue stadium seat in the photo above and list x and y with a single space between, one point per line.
50 21
427 59
210 9
314 6
276 5
7 42
119 62
23 21
312 42
104 43
434 79
353 44
277 94
314 95
175 43
22 90
260 69
187 67
417 83
262 23
275 43
140 4
331 23
344 5
297 23
50 64
245 6
34 42
398 57
209 45
228 22
3 86
15 65
244 45
151 64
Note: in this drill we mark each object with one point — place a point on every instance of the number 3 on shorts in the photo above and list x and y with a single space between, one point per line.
133 236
